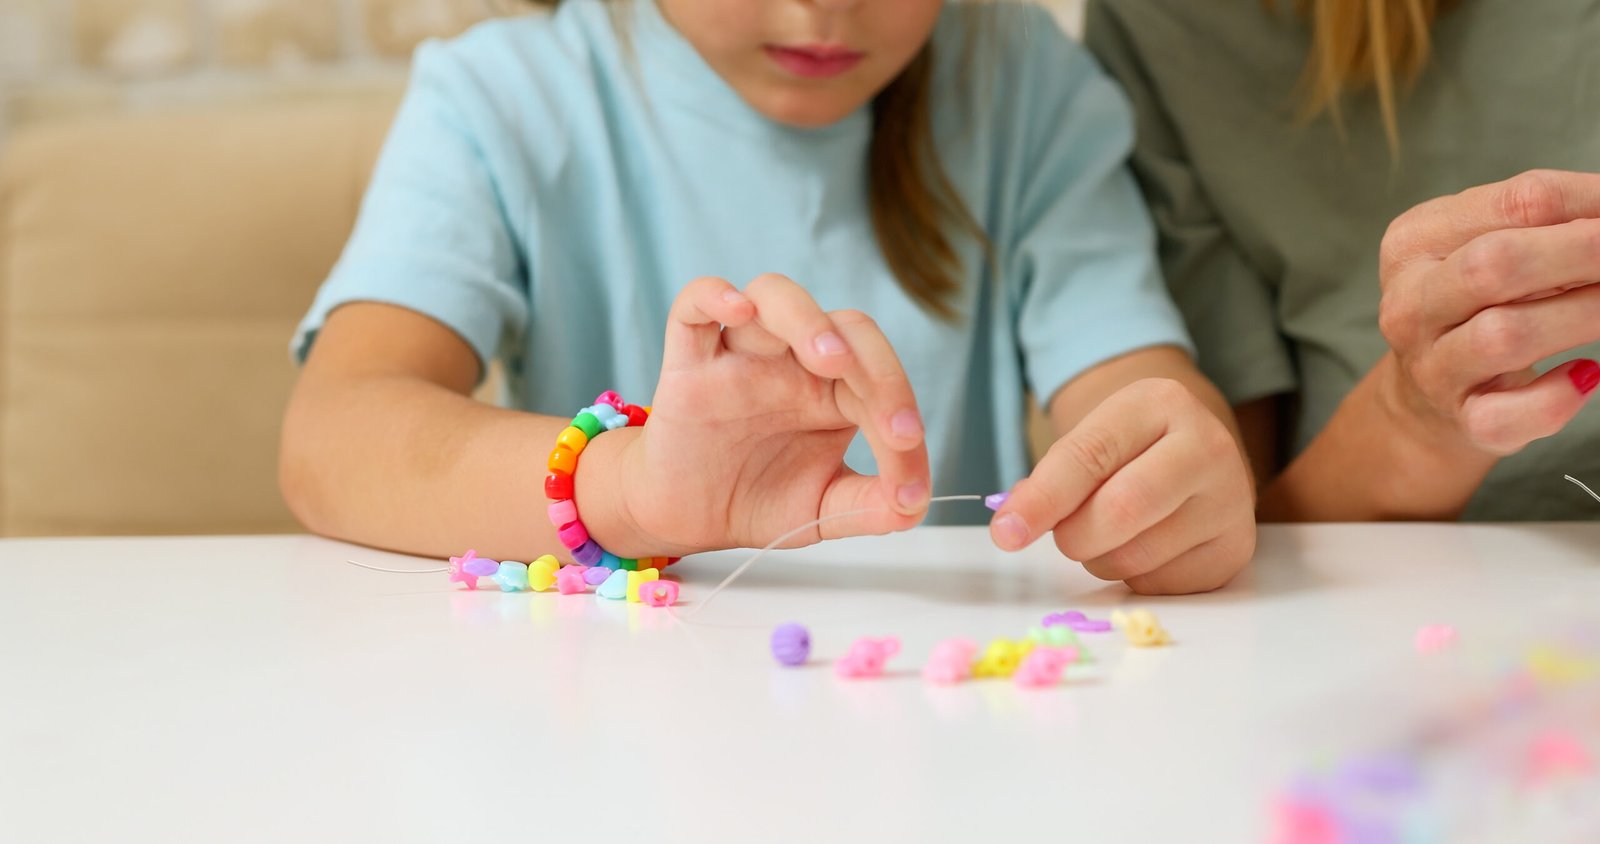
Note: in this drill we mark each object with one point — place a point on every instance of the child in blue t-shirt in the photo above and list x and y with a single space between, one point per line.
780 224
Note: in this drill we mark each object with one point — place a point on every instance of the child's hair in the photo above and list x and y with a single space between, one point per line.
1356 43
914 207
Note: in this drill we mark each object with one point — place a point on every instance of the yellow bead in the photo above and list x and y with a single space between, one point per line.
574 439
1142 628
1001 658
542 573
637 579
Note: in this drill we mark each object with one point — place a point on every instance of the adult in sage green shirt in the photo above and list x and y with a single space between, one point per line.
1274 162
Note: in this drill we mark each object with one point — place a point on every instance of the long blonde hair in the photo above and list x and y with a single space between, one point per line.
1360 43
914 208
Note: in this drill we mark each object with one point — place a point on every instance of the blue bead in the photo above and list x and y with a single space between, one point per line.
512 577
609 560
615 587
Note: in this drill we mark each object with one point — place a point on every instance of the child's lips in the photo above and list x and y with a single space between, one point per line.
814 61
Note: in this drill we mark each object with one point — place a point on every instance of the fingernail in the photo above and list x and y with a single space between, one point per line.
829 344
1013 532
733 297
1585 376
912 496
906 425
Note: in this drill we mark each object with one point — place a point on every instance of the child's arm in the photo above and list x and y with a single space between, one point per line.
383 444
1148 482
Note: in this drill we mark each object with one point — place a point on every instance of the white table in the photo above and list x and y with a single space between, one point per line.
261 689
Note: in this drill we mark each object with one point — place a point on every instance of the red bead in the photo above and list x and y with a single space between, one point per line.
558 486
636 415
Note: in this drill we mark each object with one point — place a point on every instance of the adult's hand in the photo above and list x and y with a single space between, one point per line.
1480 286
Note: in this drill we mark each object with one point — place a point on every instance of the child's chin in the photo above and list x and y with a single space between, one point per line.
807 110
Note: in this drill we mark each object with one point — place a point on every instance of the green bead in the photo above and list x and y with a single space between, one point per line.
629 565
588 424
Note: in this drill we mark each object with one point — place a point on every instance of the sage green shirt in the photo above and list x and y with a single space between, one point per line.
1270 226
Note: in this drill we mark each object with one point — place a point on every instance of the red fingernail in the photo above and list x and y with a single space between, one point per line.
1585 376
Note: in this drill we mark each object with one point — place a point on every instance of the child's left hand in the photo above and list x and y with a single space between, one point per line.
1149 488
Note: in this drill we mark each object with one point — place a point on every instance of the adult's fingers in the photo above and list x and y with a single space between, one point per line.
1503 421
1536 198
694 324
1513 337
785 311
1120 429
1506 265
877 396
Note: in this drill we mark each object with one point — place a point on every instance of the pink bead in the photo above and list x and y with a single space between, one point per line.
866 657
562 513
569 580
573 535
459 573
610 397
1435 637
951 661
1043 666
659 593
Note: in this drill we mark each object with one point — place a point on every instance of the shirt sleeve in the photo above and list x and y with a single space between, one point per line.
433 234
1084 254
1228 306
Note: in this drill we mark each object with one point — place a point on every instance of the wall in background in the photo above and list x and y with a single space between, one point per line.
64 58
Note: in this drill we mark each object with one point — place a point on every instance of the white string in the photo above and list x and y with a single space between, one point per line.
743 567
1583 486
734 575
399 571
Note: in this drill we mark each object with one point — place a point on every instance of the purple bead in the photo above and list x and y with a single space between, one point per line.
1058 618
587 554
791 644
996 501
481 567
1090 625
596 576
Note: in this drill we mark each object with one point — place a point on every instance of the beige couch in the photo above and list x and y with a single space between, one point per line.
151 272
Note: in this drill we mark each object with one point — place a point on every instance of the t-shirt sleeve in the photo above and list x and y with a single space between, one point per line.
1083 257
1227 304
433 234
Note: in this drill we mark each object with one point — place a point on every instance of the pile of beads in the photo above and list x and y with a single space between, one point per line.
1038 661
639 586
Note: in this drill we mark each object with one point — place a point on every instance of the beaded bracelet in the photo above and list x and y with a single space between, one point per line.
608 413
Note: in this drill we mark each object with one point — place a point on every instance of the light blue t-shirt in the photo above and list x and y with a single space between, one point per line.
551 183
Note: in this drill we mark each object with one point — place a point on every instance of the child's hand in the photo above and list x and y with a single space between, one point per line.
760 394
1149 488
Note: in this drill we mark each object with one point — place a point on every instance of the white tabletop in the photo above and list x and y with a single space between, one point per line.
262 689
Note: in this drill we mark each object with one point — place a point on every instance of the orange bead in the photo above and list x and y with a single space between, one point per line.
563 460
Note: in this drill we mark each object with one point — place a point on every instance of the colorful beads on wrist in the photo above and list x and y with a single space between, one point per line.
608 413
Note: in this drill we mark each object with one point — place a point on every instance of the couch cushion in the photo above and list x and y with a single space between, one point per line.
152 270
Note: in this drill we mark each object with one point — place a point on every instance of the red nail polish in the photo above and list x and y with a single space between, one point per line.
1585 376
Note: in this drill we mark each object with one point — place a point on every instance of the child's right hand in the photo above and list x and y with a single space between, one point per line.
759 396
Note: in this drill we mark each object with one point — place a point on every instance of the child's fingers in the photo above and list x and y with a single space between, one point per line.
877 396
694 325
1503 421
789 313
1113 434
1136 501
863 495
1203 568
1192 523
